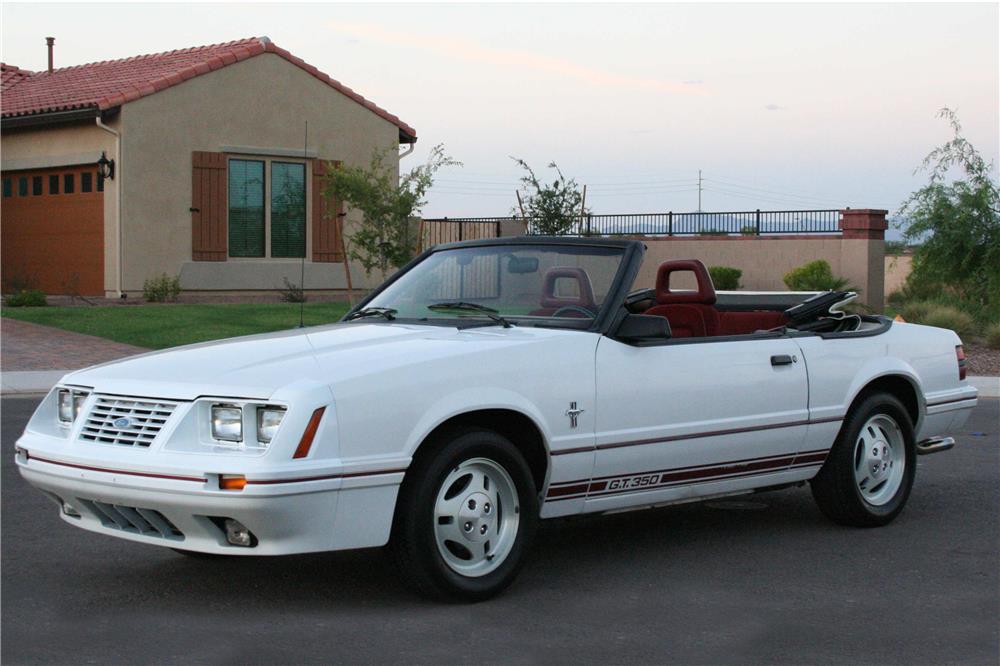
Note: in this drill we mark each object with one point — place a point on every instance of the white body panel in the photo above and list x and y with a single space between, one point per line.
712 418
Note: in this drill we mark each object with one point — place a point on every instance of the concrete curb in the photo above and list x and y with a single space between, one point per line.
28 382
40 381
989 387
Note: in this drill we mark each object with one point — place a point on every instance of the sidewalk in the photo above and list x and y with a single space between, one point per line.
33 358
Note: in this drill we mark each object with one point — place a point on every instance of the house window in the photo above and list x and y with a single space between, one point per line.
36 186
22 186
100 184
53 184
86 182
267 208
8 188
68 186
246 208
288 209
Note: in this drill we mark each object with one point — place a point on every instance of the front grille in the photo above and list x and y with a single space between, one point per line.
145 420
147 522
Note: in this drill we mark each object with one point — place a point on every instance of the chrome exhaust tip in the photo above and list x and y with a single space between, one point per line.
935 445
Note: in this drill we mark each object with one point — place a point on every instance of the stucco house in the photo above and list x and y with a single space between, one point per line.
213 178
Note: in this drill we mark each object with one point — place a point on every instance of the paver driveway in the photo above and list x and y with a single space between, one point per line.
26 346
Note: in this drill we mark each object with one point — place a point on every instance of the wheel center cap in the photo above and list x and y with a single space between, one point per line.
476 517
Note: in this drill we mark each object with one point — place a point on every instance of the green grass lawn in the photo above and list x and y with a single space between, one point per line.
169 325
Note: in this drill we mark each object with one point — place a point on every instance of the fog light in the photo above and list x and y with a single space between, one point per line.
70 511
238 534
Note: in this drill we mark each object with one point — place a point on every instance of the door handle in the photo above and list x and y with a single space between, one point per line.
782 359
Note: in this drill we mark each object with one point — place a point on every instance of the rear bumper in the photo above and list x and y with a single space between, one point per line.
286 518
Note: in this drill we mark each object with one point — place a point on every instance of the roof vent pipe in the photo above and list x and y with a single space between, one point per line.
49 41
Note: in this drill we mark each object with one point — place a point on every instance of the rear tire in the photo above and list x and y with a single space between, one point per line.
868 475
465 517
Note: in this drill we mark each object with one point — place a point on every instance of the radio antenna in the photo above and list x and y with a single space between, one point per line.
302 276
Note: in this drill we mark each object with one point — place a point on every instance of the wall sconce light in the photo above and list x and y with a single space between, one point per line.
105 168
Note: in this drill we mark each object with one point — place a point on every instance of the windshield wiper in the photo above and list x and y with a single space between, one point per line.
471 307
388 313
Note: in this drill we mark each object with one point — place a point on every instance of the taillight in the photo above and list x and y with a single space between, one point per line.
960 355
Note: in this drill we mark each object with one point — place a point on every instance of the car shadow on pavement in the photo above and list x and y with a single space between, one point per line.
565 552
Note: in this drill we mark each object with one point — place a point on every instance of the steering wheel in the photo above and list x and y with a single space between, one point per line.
574 308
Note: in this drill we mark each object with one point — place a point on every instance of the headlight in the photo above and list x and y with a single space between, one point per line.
227 423
78 399
268 420
65 406
69 404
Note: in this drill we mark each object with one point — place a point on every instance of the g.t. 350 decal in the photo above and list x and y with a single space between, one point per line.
634 482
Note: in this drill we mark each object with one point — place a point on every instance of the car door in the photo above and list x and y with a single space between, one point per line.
695 417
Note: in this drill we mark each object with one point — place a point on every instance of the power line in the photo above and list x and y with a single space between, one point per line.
743 184
758 197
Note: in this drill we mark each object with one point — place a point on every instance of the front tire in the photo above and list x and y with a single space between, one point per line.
868 475
466 514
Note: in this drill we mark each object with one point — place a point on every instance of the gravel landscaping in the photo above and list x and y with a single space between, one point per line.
981 360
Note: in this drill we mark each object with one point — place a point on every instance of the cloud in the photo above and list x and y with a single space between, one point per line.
693 82
774 107
465 49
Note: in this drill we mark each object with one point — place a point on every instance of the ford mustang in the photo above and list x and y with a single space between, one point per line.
488 385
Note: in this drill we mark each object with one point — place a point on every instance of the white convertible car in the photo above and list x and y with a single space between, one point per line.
487 385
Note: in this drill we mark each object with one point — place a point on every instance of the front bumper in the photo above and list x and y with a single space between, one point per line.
294 515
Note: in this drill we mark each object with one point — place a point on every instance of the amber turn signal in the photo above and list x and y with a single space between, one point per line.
307 437
232 482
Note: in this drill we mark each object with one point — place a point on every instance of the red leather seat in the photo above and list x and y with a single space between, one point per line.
690 313
552 302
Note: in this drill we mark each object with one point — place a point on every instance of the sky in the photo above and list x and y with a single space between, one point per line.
781 106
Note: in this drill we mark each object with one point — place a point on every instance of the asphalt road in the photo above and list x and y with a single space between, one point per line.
763 580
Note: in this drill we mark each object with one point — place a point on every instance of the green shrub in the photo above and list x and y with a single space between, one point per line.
725 278
993 336
748 230
945 316
815 276
292 293
26 298
162 288
916 311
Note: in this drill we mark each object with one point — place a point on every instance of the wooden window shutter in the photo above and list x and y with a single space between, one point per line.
209 240
328 223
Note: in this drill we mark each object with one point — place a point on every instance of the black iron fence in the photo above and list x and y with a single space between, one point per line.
451 230
734 223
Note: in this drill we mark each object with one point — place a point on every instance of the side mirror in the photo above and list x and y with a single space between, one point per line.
636 327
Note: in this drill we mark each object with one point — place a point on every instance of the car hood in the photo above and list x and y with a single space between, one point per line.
254 367
250 367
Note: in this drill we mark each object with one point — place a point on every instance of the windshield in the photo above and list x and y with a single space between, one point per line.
562 285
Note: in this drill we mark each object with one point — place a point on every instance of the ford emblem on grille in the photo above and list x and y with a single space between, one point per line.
122 422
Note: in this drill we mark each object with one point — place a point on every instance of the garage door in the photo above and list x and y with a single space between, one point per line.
52 230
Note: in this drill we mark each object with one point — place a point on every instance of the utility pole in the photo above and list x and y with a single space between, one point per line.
699 190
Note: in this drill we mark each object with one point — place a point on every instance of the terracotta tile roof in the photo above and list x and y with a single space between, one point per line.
12 75
111 83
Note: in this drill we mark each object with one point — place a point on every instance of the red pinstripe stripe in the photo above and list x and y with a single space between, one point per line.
696 435
351 475
30 456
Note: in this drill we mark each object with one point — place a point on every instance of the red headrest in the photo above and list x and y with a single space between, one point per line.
706 290
551 300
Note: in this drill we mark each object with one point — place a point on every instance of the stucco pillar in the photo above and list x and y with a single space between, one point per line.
512 227
862 251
